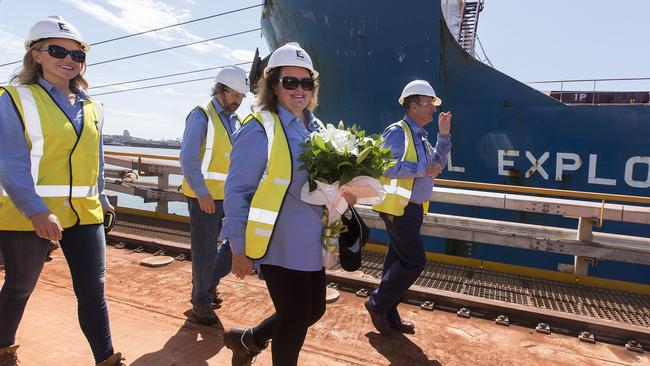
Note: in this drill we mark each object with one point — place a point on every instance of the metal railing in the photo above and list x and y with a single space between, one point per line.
583 243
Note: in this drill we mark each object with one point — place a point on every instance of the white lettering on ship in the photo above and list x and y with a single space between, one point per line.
636 172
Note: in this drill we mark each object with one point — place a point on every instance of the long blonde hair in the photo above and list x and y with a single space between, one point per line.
31 70
266 98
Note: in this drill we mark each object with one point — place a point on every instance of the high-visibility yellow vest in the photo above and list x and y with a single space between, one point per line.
64 165
267 200
398 191
214 155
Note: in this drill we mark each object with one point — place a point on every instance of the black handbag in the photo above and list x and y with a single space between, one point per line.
353 237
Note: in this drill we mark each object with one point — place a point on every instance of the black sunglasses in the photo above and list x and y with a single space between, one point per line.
60 52
291 83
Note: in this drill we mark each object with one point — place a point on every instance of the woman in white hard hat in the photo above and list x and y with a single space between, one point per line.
51 183
265 219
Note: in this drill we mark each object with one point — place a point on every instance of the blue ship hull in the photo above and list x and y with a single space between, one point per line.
367 51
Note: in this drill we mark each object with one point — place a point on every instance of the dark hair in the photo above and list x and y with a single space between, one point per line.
219 88
411 99
266 99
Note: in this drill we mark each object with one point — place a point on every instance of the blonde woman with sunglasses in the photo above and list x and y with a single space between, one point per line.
51 184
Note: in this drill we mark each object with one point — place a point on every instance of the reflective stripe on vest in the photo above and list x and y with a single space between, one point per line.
62 191
214 154
398 191
267 200
64 164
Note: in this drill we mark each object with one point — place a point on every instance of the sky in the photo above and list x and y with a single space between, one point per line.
530 40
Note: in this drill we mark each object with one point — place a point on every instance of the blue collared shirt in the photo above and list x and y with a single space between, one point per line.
296 241
196 127
15 163
422 184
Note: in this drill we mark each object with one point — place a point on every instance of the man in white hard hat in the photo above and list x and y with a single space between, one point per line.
205 159
408 187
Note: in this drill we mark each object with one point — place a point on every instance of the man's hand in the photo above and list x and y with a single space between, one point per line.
444 123
241 265
433 169
47 225
206 203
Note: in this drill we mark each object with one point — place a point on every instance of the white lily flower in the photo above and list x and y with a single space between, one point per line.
340 139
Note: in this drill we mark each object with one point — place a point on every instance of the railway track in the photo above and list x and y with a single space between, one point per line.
586 312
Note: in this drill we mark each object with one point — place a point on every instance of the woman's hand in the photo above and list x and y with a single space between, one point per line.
241 265
47 225
350 198
108 207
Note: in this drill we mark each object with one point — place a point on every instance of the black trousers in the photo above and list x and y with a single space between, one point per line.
299 300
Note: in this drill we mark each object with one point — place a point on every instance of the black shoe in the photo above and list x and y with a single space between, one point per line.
378 320
403 326
217 300
240 342
205 315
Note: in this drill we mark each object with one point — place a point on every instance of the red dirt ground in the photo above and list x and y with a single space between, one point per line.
151 325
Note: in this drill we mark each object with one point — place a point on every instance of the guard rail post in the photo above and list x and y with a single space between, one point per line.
585 233
163 183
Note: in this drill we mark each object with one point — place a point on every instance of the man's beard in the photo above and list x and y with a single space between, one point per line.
232 107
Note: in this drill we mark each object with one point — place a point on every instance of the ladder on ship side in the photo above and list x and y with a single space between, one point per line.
469 23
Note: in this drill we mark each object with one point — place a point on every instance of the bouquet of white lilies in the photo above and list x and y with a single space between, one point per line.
338 160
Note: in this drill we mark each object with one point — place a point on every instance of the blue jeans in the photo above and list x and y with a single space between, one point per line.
210 261
84 248
404 262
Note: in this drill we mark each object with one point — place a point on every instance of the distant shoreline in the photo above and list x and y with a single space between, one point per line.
144 144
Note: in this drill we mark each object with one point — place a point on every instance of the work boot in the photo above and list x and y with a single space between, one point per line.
205 315
114 360
402 326
217 300
244 350
380 321
8 356
54 245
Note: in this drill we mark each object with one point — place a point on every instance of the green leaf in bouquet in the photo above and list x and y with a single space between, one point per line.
345 178
362 156
312 185
319 142
343 163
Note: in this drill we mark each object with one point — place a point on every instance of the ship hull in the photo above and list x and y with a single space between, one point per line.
503 131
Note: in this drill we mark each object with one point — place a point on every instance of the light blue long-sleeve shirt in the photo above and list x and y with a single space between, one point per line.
296 241
196 128
15 163
422 184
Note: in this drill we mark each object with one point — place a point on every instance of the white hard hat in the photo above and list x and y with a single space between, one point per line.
419 87
54 27
234 78
291 54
